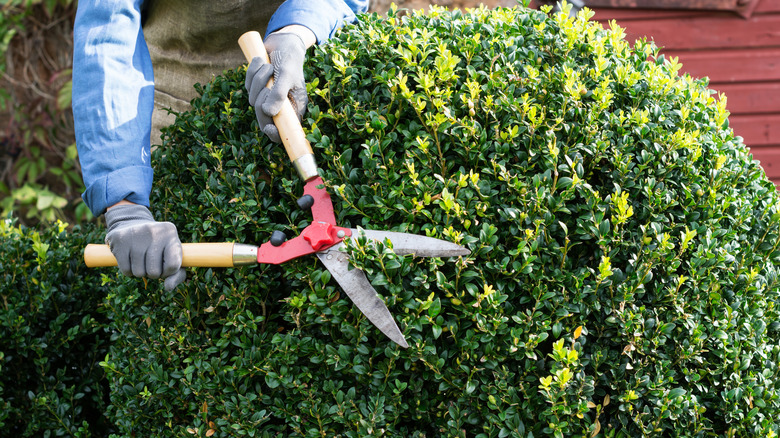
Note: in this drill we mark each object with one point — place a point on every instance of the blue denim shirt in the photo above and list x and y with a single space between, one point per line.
113 90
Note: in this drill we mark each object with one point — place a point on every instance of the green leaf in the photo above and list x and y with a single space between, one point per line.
45 200
436 330
435 308
471 386
64 96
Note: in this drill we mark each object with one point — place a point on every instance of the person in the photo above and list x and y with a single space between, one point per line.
118 101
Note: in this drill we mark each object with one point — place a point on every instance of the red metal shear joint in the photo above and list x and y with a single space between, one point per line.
321 235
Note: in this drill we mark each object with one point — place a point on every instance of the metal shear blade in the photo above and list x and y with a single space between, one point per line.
360 290
362 294
420 246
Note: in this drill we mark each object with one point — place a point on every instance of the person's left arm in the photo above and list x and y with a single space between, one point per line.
322 18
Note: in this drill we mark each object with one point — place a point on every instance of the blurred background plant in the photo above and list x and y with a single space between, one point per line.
40 177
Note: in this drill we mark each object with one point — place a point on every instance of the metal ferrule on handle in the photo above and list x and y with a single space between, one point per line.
244 255
306 166
290 130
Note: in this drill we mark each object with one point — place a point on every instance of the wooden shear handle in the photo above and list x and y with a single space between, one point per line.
290 130
206 254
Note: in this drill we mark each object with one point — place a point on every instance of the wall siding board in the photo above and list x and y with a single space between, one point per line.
769 159
760 130
624 16
732 66
767 6
750 98
739 55
717 30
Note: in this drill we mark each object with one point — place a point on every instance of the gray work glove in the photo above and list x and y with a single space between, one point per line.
144 247
287 52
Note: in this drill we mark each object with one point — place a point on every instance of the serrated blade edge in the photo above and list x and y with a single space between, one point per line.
362 293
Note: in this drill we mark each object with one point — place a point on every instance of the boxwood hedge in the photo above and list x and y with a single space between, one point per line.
52 334
623 272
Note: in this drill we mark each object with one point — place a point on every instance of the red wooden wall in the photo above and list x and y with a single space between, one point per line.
739 53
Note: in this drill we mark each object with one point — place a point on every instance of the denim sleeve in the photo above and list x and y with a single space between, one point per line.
321 17
113 99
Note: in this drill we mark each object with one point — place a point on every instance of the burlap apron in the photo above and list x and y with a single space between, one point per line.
191 41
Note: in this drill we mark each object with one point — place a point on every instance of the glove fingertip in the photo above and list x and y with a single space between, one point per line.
254 66
273 133
126 270
172 259
273 104
174 280
256 80
300 103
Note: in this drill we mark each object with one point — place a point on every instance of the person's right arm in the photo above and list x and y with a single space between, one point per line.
294 27
113 99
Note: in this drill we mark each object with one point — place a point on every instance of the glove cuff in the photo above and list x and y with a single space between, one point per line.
271 47
121 214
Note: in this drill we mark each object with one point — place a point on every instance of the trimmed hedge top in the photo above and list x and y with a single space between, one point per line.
622 278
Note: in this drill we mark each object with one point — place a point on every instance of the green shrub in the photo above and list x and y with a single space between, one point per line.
52 335
622 278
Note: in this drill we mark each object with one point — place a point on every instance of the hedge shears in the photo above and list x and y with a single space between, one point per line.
322 237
